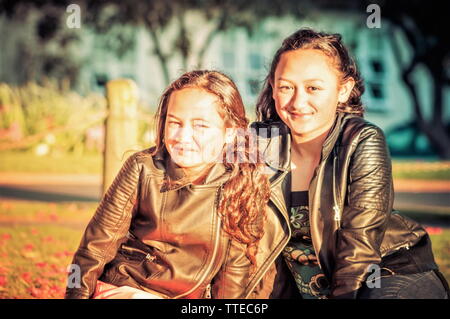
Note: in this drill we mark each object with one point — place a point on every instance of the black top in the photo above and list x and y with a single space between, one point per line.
299 198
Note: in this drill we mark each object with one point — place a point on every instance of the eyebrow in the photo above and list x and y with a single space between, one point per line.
195 119
310 80
171 115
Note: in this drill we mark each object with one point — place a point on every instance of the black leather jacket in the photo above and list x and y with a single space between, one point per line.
350 201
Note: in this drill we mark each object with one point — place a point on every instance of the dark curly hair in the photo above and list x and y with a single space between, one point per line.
332 46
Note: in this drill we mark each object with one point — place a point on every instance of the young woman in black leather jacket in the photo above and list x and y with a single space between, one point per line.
345 240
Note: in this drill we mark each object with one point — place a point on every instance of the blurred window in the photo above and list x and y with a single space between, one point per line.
377 66
256 61
229 60
253 86
376 91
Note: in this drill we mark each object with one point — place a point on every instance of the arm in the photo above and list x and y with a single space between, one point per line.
108 226
366 212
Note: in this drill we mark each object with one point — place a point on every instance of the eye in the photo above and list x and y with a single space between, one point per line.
313 88
285 88
200 125
173 124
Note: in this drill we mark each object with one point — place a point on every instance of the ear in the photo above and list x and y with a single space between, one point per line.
345 90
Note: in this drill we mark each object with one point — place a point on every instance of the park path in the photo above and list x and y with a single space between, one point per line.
416 195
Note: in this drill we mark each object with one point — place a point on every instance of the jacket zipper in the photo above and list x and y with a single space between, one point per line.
215 249
207 294
336 207
148 256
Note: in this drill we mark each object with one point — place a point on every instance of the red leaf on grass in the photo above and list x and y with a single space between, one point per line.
434 230
48 239
6 236
28 247
59 254
27 277
36 292
58 269
41 264
3 270
3 281
43 282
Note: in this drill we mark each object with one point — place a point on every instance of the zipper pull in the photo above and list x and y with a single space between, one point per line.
207 294
150 257
337 216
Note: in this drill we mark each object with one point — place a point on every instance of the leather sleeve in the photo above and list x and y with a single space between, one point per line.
232 278
108 226
366 212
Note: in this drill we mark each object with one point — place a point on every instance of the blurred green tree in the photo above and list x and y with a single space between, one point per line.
43 48
424 25
173 34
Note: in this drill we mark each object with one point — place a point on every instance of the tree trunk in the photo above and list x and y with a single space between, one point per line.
160 55
434 129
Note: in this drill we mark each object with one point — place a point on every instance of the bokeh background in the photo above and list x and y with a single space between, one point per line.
57 56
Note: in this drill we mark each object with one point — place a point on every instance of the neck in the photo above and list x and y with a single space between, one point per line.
308 146
198 174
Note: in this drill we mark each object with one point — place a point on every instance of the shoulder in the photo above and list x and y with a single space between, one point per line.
137 157
356 129
152 162
143 154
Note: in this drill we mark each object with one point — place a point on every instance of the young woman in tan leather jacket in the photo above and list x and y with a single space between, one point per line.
336 181
186 218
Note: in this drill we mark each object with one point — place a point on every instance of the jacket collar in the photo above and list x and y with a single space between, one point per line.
277 154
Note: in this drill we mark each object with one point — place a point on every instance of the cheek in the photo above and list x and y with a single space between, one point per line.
209 139
281 101
169 134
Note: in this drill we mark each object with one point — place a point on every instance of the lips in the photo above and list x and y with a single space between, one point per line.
296 114
183 149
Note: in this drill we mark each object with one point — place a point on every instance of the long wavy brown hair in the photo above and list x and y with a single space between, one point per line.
244 196
332 46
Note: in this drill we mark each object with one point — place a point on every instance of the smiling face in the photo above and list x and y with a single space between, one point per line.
194 131
306 90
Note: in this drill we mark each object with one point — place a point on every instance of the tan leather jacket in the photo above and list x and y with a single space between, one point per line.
350 199
169 241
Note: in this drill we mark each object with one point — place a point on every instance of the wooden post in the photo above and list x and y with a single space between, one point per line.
121 127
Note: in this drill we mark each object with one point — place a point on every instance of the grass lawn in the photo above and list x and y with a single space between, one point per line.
37 242
421 170
28 162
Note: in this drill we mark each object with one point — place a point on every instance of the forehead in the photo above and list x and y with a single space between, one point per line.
190 102
305 64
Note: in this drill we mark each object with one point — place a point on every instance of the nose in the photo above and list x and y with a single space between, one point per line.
183 134
298 101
